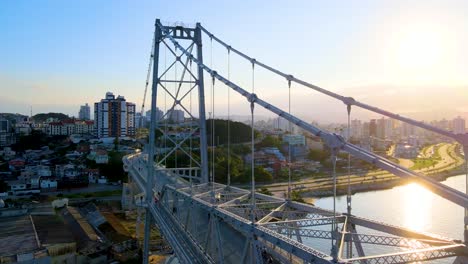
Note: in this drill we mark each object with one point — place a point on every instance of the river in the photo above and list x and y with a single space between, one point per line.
411 206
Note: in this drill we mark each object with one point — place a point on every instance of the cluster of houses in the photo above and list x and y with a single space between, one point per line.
82 233
54 127
42 170
274 159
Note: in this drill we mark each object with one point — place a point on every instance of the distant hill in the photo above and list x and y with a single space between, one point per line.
42 117
14 117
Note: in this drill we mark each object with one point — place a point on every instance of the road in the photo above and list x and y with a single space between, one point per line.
449 160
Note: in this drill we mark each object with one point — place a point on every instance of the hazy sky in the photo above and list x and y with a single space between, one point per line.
406 56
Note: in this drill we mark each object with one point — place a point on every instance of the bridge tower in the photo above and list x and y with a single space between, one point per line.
177 137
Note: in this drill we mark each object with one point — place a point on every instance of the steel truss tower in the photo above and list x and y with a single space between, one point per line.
174 136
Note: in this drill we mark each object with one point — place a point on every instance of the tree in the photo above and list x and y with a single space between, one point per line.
240 132
296 196
3 186
264 190
261 175
269 141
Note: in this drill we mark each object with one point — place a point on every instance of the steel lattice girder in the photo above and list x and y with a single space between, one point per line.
263 232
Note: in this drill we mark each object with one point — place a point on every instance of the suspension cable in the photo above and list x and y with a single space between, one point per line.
348 197
191 129
229 119
344 99
165 112
460 198
252 106
289 142
334 224
213 128
212 123
174 117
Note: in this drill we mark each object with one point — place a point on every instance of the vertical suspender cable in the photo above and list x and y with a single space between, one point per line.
289 142
348 197
252 105
212 122
191 127
334 224
229 121
173 110
165 111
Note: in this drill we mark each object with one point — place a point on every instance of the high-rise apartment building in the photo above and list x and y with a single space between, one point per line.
356 129
458 125
176 115
114 117
159 114
373 128
85 112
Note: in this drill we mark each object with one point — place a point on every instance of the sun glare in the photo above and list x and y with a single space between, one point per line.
417 207
419 49
420 53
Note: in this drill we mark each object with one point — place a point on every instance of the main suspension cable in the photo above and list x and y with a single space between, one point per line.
331 140
344 99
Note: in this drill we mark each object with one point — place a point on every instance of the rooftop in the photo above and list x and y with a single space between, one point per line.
17 235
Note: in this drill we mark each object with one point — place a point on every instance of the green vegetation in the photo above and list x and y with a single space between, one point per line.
269 141
112 170
35 140
38 139
296 196
423 163
42 117
261 175
264 190
90 195
3 186
240 132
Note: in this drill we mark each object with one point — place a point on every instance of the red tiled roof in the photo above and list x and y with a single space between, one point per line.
68 121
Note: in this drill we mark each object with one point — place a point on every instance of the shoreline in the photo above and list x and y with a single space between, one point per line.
371 187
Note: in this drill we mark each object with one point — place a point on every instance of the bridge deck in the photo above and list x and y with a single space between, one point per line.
211 223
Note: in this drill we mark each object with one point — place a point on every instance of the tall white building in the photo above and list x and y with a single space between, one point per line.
85 112
159 114
459 125
114 117
176 115
356 129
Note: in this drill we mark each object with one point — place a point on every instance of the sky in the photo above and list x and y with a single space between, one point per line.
408 57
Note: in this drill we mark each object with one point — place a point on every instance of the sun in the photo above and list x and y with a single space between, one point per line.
419 49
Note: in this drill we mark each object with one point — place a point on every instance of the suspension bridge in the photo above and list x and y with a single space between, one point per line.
208 222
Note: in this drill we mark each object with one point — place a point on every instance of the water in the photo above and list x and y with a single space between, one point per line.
411 206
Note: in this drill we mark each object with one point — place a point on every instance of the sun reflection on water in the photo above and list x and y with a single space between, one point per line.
417 205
